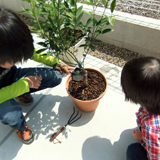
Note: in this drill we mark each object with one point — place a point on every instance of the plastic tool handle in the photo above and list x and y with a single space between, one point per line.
57 133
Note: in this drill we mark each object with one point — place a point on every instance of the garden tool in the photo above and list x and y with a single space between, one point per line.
71 120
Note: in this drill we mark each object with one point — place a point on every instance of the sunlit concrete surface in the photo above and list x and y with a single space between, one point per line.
103 134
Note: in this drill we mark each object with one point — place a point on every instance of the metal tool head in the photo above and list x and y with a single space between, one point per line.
73 118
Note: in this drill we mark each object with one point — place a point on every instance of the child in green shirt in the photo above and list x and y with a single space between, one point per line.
16 84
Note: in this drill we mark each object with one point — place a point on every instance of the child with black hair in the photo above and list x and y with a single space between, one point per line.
16 45
140 82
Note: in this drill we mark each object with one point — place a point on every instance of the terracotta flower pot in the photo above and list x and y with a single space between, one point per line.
90 105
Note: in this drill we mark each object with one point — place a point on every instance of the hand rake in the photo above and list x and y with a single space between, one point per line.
71 120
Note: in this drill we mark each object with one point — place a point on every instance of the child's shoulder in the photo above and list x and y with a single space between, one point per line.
153 121
147 119
2 70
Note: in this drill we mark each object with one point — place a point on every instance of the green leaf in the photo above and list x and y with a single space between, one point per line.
70 14
77 72
72 3
111 20
29 1
84 55
79 10
94 20
42 44
42 15
104 2
52 45
98 41
40 50
89 21
113 5
70 26
55 11
66 4
106 30
35 31
32 25
99 22
83 45
26 11
87 13
92 47
48 6
98 32
37 12
89 3
50 20
43 10
49 54
79 17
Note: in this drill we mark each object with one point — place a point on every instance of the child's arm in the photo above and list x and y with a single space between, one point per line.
14 90
51 61
43 58
150 141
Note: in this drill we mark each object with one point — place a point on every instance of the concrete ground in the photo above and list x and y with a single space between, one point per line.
103 134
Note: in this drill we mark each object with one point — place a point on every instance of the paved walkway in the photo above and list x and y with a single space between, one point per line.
103 134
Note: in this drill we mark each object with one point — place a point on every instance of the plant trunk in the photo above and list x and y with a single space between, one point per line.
85 79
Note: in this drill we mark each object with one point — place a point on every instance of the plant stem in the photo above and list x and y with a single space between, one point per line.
85 78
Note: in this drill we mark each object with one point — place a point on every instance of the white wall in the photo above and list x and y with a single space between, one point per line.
15 5
139 34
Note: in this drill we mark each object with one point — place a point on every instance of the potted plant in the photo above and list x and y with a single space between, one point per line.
59 23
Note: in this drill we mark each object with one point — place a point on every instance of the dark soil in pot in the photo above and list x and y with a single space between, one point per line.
96 86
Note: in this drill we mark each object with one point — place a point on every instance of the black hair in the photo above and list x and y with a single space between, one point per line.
16 42
140 81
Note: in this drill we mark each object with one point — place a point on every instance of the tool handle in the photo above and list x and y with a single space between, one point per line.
54 135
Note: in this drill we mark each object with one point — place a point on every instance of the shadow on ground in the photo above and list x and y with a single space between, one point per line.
101 148
43 120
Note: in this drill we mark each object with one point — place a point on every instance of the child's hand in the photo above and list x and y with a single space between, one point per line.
64 68
137 135
34 81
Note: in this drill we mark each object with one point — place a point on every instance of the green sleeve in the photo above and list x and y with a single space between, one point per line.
43 58
14 90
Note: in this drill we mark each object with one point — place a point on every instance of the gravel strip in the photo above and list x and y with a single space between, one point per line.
113 54
147 8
